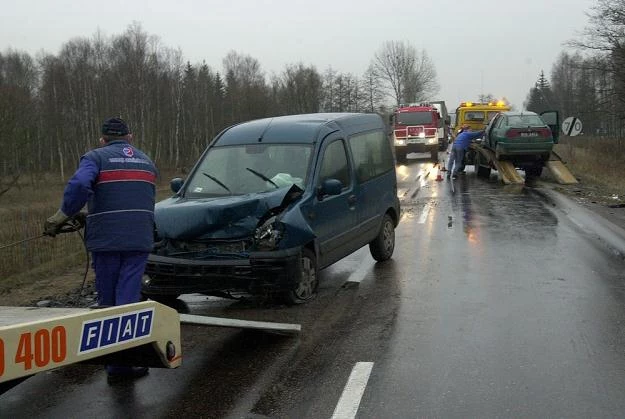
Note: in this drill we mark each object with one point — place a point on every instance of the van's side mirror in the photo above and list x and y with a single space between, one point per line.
329 187
176 183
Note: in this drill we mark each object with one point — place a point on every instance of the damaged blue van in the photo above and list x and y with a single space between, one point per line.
271 202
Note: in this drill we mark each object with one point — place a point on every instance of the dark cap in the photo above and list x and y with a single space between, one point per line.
115 127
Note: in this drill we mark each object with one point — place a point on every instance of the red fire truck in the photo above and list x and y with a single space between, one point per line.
415 129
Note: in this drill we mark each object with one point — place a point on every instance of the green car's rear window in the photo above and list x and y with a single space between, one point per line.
525 121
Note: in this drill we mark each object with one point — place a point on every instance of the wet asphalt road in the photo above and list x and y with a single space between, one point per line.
496 304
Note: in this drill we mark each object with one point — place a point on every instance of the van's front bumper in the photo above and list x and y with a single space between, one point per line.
271 271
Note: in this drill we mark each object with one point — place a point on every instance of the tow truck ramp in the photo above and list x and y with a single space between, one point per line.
509 175
559 170
33 339
507 172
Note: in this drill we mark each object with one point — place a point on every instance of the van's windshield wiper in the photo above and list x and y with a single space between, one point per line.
263 177
217 181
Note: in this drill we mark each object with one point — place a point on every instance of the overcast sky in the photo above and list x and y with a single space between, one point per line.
477 46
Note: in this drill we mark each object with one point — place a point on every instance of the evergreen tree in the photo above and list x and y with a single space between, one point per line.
540 97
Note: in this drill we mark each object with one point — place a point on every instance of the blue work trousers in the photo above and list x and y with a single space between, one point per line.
118 276
456 160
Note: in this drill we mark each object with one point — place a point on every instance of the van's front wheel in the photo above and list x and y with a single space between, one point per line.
306 289
382 246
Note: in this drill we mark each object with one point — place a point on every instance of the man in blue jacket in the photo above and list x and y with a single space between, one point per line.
117 181
459 148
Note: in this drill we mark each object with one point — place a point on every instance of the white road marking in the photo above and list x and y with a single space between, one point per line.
349 402
424 214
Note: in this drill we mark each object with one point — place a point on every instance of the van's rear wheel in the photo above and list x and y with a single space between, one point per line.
382 246
434 154
306 289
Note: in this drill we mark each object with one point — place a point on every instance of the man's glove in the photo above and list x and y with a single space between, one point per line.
53 225
79 220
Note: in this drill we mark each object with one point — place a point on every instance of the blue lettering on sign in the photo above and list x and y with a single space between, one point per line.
115 330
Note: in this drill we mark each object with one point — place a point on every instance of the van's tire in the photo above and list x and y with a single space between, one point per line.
382 246
434 154
306 289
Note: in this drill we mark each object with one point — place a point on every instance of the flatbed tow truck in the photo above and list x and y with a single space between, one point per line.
477 116
33 339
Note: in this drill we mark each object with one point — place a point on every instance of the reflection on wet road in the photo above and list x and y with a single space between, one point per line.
508 310
494 305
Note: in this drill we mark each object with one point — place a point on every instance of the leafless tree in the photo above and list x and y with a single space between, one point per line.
298 89
246 92
604 39
404 74
373 97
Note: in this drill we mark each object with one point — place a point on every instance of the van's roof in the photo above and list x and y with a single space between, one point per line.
304 128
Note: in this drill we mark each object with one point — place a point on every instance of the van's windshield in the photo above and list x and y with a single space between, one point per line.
251 168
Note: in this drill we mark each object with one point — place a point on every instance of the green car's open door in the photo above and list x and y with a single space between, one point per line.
552 119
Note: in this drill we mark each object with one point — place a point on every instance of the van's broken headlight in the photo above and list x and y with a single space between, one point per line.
268 234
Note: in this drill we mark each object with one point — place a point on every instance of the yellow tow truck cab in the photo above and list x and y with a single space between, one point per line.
477 115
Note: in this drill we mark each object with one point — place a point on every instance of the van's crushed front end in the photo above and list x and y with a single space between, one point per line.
244 243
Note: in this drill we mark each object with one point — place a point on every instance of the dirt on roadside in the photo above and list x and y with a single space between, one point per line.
68 289
602 200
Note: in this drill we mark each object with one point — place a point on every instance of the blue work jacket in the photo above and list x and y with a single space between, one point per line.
117 181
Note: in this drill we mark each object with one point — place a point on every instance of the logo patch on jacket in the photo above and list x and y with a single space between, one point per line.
128 151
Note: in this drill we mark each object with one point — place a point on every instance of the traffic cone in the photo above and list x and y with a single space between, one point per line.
442 165
439 177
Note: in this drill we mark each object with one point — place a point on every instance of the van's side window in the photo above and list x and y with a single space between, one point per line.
335 165
372 155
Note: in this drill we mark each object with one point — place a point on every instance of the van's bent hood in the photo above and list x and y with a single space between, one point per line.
218 218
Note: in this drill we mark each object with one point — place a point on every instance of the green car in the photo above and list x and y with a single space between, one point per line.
524 138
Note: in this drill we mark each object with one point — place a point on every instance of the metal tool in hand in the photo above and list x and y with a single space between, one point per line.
72 224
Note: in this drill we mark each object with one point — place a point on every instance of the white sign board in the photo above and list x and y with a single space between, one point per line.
571 126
